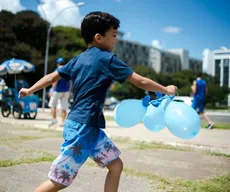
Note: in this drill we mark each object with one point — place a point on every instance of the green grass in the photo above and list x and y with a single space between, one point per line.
18 139
9 163
31 128
145 146
217 184
218 125
216 154
14 142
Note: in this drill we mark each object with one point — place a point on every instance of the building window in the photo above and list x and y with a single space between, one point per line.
217 69
226 72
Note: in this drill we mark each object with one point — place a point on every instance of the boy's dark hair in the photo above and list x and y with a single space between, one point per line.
199 74
97 22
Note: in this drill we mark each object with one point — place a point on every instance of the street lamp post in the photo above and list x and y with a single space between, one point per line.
48 42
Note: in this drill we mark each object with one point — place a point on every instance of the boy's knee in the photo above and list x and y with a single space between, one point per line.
116 166
58 186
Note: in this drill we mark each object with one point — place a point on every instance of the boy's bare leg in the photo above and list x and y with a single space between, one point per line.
54 120
49 186
113 176
63 116
53 112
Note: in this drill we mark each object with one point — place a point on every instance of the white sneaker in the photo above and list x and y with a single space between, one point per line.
53 122
210 125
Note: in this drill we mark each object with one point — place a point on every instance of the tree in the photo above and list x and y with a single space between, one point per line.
7 36
23 36
65 42
30 29
127 90
216 94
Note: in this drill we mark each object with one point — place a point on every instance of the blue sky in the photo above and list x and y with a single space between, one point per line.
190 24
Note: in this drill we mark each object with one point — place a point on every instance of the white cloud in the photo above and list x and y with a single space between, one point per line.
62 12
127 35
172 29
156 44
223 48
12 5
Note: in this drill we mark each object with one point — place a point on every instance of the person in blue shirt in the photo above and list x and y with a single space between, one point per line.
60 94
91 73
20 82
199 89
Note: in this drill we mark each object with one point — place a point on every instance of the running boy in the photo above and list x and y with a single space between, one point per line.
91 73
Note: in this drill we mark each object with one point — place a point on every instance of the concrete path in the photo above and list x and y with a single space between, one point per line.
145 168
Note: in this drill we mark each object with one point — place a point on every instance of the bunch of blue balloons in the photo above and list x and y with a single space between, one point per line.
181 119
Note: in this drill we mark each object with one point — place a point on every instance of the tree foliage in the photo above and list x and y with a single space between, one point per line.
23 35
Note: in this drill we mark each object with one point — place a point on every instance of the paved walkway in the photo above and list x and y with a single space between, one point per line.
215 140
145 169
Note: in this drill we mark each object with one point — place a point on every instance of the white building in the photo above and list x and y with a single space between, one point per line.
217 63
184 56
154 59
165 61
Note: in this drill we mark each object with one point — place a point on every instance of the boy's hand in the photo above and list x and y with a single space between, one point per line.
171 90
23 92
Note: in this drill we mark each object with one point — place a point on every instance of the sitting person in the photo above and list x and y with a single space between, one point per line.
20 82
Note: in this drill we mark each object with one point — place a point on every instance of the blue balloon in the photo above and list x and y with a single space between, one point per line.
182 120
154 118
146 100
129 112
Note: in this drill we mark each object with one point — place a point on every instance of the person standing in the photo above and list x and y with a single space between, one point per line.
199 89
61 91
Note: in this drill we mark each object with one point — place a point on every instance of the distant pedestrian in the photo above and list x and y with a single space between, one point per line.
50 93
60 93
199 89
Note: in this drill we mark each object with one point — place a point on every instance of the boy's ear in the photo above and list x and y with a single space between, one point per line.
97 38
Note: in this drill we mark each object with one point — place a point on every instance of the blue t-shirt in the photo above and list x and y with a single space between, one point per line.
91 73
200 89
63 85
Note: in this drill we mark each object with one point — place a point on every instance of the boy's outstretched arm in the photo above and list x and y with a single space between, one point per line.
43 82
149 85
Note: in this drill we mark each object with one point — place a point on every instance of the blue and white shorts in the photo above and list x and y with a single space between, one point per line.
81 142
